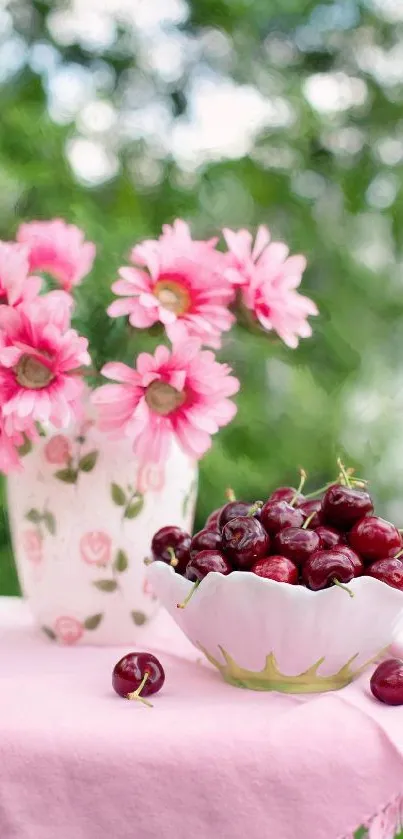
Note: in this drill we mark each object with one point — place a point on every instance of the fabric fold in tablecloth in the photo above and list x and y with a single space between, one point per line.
209 761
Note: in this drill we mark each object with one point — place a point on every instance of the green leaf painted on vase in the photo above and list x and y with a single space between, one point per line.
50 522
135 507
49 632
188 498
106 585
80 439
93 621
139 618
26 447
33 515
118 495
121 562
87 463
68 475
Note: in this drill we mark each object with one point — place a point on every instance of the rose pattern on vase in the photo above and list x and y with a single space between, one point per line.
58 450
80 545
151 476
96 548
69 631
32 541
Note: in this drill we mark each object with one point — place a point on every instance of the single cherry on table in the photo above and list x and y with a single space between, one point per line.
387 682
138 675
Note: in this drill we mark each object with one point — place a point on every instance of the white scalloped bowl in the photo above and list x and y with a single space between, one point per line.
265 635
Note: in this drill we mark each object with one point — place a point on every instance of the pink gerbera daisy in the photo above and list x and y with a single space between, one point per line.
184 287
59 249
268 278
15 284
183 394
40 361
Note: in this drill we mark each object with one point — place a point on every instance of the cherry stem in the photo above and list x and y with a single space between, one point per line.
308 520
303 477
174 560
318 491
191 593
136 693
341 585
230 494
255 507
398 554
344 474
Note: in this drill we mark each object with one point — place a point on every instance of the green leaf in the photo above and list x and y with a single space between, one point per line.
106 585
139 618
68 476
93 622
118 495
188 497
50 521
87 463
135 507
26 447
33 515
121 562
49 632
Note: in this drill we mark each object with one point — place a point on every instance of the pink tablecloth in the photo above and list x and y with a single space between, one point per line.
209 761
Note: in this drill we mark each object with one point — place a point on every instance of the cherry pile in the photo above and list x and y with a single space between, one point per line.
318 540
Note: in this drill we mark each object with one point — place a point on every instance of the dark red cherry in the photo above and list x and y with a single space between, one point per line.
244 540
374 538
205 540
170 544
342 506
356 560
329 537
287 494
275 515
296 543
324 568
278 568
389 571
387 682
204 563
212 521
309 507
137 675
232 510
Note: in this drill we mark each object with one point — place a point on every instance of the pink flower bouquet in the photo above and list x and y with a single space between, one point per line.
191 288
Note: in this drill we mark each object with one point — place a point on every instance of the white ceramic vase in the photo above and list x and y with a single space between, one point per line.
82 515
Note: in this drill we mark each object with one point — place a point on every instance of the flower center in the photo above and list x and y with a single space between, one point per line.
172 296
31 373
162 398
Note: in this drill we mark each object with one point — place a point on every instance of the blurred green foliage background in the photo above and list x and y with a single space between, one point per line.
120 115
